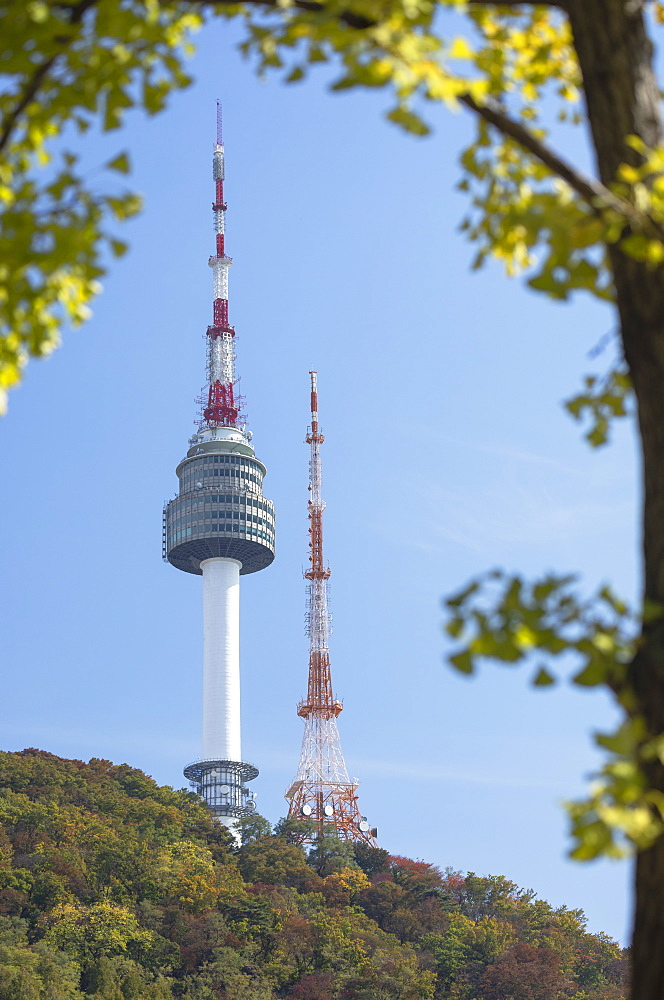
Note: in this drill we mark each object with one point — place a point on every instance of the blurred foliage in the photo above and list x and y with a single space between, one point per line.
66 68
602 400
512 621
113 888
503 617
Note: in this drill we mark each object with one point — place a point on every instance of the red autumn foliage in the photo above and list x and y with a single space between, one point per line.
526 973
317 986
419 876
454 886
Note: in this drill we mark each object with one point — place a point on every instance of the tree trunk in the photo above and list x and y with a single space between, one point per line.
622 98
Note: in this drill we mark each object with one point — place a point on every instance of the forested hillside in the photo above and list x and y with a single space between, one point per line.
114 888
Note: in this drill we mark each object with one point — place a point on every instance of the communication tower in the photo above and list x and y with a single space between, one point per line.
322 790
220 527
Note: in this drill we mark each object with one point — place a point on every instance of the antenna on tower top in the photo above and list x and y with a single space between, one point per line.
314 402
222 399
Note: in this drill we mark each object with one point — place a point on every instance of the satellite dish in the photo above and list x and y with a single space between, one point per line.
224 788
199 486
306 809
251 806
364 826
328 810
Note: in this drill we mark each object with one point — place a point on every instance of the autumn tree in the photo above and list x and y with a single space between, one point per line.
370 859
253 828
419 877
331 854
273 861
316 986
526 974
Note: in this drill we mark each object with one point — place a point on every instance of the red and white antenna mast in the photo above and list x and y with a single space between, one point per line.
322 790
223 404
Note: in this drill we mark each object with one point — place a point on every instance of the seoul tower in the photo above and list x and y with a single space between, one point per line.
220 527
322 790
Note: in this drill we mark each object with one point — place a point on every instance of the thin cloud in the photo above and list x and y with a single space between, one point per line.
416 772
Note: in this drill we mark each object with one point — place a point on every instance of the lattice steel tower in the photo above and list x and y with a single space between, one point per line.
220 527
322 790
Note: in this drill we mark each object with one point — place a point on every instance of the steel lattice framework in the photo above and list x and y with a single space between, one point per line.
223 403
322 790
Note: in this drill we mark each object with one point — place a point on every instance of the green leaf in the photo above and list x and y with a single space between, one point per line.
603 401
463 662
595 672
619 606
458 599
543 678
297 73
120 164
454 627
408 120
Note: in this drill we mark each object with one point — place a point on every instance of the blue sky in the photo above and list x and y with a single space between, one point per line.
447 452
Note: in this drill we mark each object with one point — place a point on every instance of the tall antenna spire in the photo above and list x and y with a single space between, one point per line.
322 790
220 139
222 407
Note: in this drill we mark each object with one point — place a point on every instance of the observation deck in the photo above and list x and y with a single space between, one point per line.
220 510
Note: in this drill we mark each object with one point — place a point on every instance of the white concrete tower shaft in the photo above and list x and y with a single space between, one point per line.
221 659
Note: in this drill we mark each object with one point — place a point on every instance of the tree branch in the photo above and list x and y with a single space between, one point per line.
359 21
41 72
592 191
589 189
29 93
561 4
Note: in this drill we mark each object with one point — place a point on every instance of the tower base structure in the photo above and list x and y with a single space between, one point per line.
220 783
332 805
322 791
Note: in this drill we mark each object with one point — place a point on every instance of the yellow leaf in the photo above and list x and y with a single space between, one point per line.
460 49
